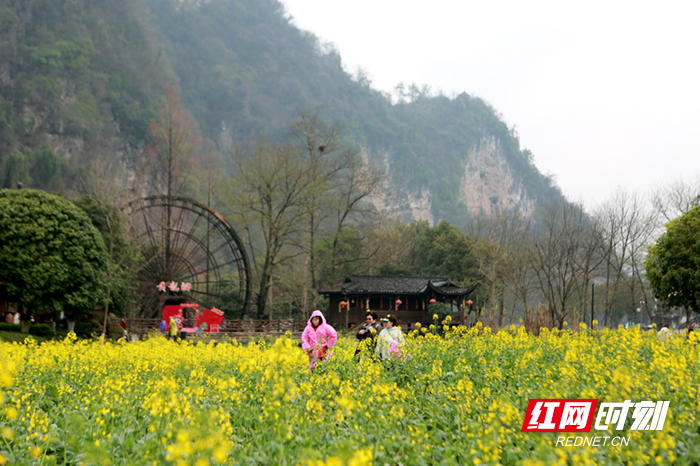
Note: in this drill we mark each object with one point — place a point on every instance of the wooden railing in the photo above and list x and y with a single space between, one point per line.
263 326
250 326
273 326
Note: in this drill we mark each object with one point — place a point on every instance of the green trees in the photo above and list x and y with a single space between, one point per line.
122 254
673 263
84 78
421 250
80 77
446 251
52 256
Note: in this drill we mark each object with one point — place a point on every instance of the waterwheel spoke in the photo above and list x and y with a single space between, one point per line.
178 225
218 267
212 253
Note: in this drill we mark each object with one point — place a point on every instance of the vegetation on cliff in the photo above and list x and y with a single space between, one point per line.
80 80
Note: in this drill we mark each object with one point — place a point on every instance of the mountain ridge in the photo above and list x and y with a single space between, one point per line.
244 70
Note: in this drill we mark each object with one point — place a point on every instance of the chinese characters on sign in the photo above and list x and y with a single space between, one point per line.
647 415
561 415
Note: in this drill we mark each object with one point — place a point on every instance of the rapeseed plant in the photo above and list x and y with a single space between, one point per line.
460 399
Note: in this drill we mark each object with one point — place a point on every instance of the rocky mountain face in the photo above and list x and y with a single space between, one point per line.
80 80
488 185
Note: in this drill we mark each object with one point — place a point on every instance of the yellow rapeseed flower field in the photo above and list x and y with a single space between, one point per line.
459 399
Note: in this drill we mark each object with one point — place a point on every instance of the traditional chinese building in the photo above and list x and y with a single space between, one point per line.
407 298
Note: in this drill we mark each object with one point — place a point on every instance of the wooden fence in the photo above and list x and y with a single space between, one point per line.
251 327
233 326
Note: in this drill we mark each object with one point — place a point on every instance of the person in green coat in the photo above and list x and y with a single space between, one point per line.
390 334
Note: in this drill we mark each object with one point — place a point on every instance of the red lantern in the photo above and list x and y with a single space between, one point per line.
432 301
470 302
343 304
398 303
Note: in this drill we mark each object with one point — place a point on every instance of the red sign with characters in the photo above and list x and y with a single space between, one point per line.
213 318
174 311
559 415
210 320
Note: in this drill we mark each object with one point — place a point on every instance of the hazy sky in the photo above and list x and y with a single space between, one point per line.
603 93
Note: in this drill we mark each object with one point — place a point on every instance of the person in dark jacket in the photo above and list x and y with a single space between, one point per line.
370 329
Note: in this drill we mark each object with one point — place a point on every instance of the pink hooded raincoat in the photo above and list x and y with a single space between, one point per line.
316 341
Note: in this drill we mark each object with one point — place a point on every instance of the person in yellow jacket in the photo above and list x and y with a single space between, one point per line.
172 327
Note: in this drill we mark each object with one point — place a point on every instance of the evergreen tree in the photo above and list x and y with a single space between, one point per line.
52 257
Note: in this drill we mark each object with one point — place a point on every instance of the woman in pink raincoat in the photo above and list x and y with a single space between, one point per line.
318 336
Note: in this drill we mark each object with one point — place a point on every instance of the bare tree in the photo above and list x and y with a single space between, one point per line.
503 242
338 197
268 196
356 183
589 261
325 158
560 242
627 228
209 174
170 144
392 248
491 259
105 181
676 198
294 195
517 274
519 278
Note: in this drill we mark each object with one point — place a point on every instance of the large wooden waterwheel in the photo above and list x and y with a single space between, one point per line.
184 241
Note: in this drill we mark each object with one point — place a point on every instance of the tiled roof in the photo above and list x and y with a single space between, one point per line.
397 285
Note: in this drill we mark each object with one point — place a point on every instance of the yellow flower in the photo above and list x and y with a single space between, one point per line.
361 458
189 393
220 454
11 413
334 461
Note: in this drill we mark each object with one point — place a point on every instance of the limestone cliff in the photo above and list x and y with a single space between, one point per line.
489 185
83 82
